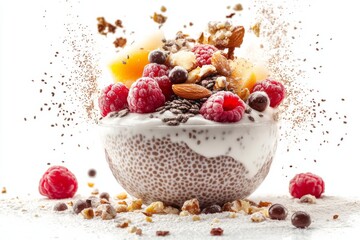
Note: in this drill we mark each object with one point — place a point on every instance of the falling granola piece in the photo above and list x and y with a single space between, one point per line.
159 18
120 42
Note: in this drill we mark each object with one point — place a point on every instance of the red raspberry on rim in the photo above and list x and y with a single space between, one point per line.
223 106
145 96
159 73
113 98
57 183
203 53
275 91
306 183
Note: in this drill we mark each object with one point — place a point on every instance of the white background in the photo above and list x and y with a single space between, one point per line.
28 41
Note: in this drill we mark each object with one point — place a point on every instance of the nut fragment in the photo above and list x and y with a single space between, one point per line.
121 196
155 208
106 211
88 213
185 59
232 215
192 206
3 190
196 218
200 73
244 94
264 204
159 18
171 210
148 219
80 205
256 29
184 213
135 205
221 63
216 231
95 191
138 231
119 208
237 206
257 217
162 233
123 224
308 198
132 229
220 83
191 91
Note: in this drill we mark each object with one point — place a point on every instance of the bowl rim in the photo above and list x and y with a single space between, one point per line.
185 126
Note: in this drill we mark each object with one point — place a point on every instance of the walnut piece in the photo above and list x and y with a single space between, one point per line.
192 206
105 211
185 59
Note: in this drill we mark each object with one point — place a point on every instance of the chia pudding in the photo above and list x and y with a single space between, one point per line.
213 162
197 122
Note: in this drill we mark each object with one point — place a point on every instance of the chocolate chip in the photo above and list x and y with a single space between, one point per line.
60 206
301 219
80 205
211 209
104 195
278 212
258 101
92 172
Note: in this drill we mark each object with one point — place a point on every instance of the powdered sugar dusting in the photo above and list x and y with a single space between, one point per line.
32 214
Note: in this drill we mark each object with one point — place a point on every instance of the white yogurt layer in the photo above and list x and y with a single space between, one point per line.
249 142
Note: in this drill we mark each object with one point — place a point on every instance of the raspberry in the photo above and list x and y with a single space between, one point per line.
275 90
57 183
223 107
145 96
154 70
203 53
160 74
306 183
113 98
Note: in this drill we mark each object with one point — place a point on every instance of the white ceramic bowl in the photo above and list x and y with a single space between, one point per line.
214 163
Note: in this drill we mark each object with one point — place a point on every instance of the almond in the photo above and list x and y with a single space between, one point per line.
236 38
190 91
221 64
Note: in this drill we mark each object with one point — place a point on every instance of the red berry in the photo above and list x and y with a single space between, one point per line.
203 53
57 183
275 90
155 70
306 183
165 86
113 98
160 73
145 96
223 106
